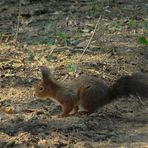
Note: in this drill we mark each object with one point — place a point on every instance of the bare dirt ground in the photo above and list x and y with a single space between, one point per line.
54 34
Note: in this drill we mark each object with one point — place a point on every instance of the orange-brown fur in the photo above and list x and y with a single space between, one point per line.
88 91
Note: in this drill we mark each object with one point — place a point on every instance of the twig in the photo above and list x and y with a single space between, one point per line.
18 22
87 44
89 39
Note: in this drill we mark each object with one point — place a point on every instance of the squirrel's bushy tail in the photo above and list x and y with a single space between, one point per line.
136 84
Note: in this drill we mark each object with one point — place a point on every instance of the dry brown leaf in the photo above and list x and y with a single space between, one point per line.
9 110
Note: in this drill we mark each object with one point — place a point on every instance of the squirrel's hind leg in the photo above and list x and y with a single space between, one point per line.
67 108
74 110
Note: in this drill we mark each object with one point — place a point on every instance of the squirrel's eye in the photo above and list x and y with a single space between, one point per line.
41 88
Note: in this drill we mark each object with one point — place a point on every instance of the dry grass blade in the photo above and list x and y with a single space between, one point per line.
88 43
18 22
90 39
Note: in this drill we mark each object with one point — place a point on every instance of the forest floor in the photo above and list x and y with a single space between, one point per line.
55 34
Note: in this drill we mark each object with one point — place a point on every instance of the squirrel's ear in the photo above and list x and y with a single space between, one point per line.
45 73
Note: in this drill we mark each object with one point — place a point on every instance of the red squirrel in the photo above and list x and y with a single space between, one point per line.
88 91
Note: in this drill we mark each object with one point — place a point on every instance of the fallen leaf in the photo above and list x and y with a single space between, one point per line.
8 110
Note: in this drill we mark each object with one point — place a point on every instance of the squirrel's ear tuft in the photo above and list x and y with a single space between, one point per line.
45 73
